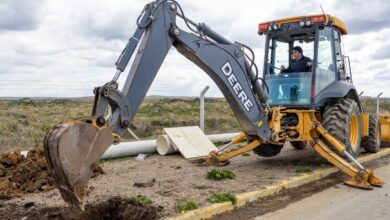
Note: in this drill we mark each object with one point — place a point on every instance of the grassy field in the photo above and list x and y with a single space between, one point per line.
24 122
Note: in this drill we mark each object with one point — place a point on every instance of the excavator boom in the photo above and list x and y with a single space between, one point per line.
73 147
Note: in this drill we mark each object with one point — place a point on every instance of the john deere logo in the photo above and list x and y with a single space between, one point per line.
232 79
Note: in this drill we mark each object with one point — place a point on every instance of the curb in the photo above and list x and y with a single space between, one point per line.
245 198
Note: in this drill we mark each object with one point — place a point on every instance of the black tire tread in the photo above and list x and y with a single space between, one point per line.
268 150
299 145
335 118
369 142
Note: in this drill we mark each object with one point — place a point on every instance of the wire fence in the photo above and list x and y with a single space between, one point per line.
21 88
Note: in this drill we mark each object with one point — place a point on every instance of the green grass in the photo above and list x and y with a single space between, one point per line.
216 174
186 206
245 154
140 200
303 170
222 197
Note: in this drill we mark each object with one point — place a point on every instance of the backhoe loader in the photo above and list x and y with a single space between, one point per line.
319 108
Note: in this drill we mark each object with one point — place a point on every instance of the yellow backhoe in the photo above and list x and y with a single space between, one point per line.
305 95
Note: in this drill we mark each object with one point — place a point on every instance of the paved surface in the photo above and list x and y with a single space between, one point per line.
341 202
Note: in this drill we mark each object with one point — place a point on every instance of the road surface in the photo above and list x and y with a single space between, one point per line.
341 202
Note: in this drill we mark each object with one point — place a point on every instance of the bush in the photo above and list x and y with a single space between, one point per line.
140 200
222 197
216 174
186 206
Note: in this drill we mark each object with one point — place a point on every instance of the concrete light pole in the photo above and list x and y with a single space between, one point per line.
377 104
201 124
360 94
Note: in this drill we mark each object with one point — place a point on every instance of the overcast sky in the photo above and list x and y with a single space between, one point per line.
64 48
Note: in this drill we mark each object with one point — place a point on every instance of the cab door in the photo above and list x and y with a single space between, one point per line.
325 66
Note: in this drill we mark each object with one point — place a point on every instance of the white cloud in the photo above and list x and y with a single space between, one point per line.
65 48
20 15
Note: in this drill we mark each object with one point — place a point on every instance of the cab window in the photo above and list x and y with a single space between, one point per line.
292 87
325 66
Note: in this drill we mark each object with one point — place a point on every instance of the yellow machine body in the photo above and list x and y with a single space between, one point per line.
308 128
385 128
301 131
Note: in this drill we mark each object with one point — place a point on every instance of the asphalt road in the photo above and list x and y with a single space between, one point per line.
341 202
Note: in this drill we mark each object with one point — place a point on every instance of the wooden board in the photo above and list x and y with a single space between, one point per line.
190 141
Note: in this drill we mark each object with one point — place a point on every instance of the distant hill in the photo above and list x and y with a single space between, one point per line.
92 97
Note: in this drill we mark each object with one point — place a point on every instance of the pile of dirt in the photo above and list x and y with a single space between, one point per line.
114 208
20 175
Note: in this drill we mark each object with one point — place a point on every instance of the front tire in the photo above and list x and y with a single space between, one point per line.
298 145
342 120
268 150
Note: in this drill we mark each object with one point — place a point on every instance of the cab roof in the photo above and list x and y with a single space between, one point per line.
319 18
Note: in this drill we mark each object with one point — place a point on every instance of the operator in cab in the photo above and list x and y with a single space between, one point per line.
299 63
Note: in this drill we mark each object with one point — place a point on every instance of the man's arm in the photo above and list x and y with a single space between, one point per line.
309 64
288 70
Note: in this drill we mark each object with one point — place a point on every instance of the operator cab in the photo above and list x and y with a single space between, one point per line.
319 38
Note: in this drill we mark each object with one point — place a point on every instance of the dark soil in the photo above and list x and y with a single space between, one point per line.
20 175
113 208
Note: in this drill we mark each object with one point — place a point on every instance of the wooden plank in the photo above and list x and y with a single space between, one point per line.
190 141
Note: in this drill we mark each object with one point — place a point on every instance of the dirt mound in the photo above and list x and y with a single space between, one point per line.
113 208
20 175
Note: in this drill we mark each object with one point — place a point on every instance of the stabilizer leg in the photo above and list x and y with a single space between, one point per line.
360 177
222 156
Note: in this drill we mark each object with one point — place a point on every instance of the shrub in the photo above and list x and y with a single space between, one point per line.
216 174
222 197
140 200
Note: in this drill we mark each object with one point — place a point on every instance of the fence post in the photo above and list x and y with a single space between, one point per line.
377 104
201 123
360 94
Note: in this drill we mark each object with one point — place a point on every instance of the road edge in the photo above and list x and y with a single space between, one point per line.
248 197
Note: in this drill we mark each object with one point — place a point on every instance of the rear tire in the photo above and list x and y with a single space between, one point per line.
372 142
268 150
342 120
298 145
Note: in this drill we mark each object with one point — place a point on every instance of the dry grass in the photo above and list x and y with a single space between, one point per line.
370 105
24 122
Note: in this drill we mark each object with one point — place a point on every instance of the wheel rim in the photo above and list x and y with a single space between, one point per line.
353 132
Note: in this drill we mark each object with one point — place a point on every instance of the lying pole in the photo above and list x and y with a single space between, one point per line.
133 148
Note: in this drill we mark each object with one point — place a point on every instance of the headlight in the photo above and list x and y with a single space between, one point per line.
301 23
275 27
308 23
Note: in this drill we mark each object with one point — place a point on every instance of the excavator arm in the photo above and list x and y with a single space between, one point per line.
221 59
73 147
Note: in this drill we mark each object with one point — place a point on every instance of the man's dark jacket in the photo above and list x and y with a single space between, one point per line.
298 65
